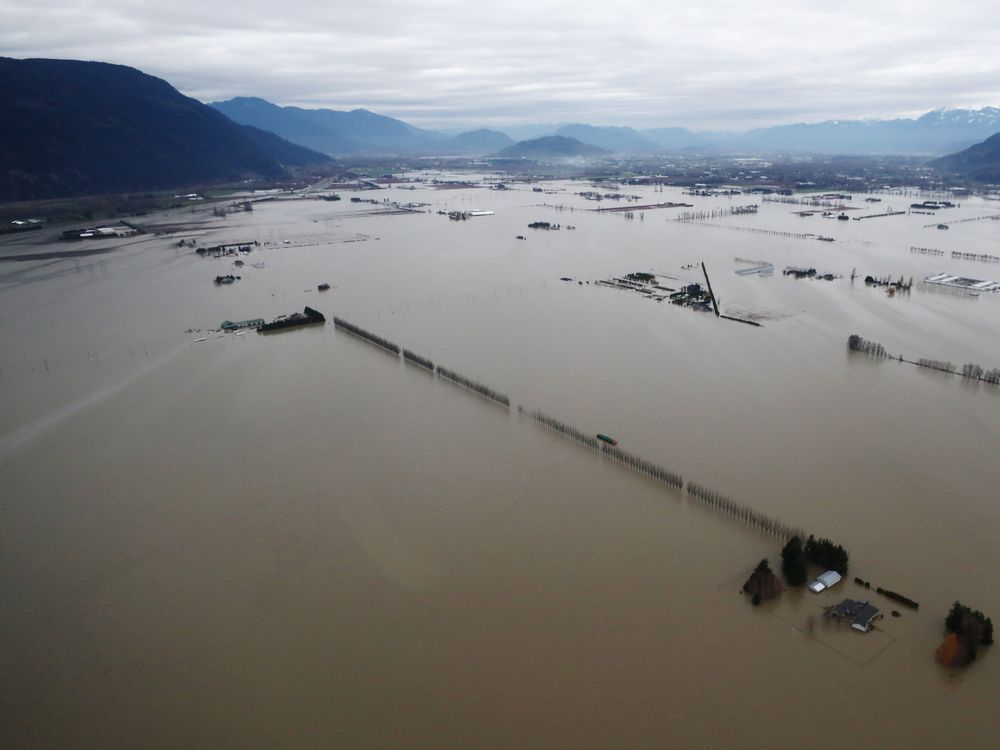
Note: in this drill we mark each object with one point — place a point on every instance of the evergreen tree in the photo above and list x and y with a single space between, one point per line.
955 616
797 572
826 554
791 550
793 562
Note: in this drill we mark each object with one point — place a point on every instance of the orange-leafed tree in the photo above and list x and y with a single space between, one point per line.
948 653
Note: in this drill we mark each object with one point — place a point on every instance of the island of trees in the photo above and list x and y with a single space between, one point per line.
968 630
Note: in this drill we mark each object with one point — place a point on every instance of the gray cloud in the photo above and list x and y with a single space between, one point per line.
713 64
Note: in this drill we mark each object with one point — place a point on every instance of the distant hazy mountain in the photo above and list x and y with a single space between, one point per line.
615 139
681 138
81 128
938 132
329 130
357 131
530 131
290 123
549 146
980 162
362 132
477 142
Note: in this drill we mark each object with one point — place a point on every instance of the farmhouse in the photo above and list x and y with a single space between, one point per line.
861 614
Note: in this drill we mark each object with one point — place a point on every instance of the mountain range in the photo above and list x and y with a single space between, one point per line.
70 128
941 131
74 128
358 131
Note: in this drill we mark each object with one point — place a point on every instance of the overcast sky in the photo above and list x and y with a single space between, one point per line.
646 63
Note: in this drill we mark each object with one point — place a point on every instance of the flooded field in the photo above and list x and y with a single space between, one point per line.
300 539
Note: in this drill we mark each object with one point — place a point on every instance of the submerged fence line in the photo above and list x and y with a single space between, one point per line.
472 385
362 333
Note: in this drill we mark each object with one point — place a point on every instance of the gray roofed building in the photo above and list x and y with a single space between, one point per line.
861 614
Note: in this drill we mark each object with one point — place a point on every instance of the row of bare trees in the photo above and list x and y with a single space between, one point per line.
970 370
472 385
368 336
857 344
644 467
717 213
418 360
743 512
552 423
638 464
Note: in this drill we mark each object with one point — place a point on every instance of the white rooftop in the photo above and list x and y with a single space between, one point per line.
825 581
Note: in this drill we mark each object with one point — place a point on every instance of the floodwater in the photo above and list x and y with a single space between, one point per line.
298 540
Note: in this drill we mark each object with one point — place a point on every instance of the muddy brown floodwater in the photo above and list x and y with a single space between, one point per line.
300 540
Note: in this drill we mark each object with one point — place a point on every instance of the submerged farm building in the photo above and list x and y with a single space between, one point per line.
861 614
825 581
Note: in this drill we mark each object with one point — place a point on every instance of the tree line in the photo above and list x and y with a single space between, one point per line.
872 348
472 385
969 370
362 333
418 360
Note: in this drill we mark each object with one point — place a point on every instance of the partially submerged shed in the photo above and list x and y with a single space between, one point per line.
825 581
